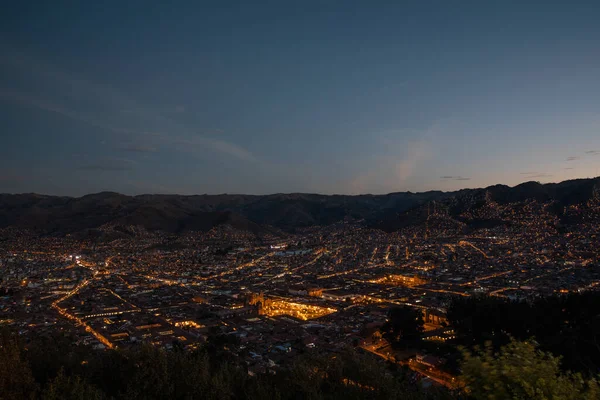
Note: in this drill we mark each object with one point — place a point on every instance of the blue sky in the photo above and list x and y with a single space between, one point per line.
284 96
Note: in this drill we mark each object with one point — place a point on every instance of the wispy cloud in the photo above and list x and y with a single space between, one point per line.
226 147
164 128
388 173
455 178
404 169
193 144
572 158
593 152
53 107
178 109
138 148
195 141
109 164
533 174
400 163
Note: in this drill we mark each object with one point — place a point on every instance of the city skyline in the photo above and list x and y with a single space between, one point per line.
343 97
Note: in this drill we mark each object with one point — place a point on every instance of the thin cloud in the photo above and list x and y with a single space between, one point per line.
178 109
42 104
455 178
386 173
228 148
109 164
115 100
593 152
536 174
138 148
572 158
196 142
193 143
417 151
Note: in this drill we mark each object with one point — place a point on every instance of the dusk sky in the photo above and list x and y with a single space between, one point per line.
296 96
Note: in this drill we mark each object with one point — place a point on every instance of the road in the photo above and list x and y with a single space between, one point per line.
435 375
78 320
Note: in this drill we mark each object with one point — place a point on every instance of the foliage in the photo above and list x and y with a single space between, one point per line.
404 325
70 372
521 371
16 381
518 371
568 326
71 388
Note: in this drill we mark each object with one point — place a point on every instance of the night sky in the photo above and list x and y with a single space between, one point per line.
296 96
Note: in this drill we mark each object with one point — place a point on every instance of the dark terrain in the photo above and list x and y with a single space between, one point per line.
464 209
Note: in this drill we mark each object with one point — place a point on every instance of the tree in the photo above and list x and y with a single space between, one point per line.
347 375
147 372
16 380
376 337
568 326
521 371
404 325
71 388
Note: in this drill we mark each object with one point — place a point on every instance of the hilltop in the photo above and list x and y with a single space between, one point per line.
466 209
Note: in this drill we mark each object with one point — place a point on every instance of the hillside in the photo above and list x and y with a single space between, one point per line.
470 208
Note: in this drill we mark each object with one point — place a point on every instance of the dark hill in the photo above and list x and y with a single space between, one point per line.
174 213
494 206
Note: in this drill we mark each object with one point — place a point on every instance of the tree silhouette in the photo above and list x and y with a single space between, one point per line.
521 371
404 326
16 380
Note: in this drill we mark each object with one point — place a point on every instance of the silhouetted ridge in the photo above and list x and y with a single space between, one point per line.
175 213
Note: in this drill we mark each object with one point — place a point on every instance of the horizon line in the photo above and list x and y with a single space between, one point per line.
293 193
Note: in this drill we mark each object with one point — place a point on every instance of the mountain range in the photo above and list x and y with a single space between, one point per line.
283 212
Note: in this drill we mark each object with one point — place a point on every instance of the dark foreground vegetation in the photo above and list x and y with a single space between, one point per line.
567 326
51 369
545 349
